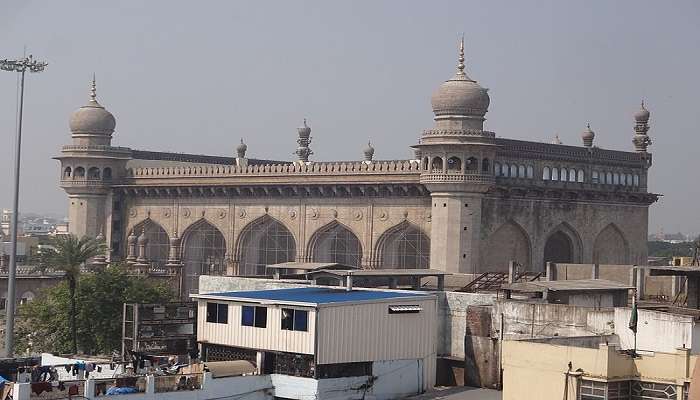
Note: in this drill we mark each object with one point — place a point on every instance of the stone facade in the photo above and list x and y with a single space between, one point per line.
468 201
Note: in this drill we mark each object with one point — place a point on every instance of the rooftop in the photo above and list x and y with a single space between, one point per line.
309 266
310 295
569 285
383 272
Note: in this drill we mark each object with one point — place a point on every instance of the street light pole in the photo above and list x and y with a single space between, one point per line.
21 66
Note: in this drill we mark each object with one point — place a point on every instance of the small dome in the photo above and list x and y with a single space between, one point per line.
92 118
642 115
369 152
304 131
460 96
241 149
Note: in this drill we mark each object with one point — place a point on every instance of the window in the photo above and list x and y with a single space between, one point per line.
595 177
594 390
217 313
521 171
555 174
629 179
636 180
254 316
407 308
530 172
608 178
344 370
564 174
497 168
504 170
572 175
485 167
454 164
580 177
651 391
295 320
616 179
546 175
513 171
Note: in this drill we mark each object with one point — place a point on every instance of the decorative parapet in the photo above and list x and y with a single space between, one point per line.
459 132
525 149
315 168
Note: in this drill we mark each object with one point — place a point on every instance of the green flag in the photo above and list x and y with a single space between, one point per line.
633 316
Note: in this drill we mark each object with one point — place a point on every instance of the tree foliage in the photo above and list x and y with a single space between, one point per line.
44 322
667 249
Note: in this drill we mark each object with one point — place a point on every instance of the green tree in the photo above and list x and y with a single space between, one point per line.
44 326
70 254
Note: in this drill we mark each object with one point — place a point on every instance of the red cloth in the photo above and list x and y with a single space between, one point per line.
73 390
41 387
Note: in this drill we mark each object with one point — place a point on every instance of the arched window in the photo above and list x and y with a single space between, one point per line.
472 164
79 172
93 173
608 178
580 178
530 172
158 246
595 177
521 171
485 166
628 179
563 175
263 242
454 164
616 178
426 161
437 164
204 253
572 175
513 171
636 180
505 168
404 246
67 172
497 168
546 174
338 244
107 173
555 174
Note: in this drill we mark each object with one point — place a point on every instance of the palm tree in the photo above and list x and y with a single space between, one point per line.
69 254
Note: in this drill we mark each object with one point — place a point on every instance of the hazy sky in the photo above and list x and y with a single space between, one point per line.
198 76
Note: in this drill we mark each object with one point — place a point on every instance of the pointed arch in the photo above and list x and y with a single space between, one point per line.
158 245
264 241
403 246
335 242
510 242
203 253
611 246
563 244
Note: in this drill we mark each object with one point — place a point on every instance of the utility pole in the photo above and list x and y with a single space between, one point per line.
23 65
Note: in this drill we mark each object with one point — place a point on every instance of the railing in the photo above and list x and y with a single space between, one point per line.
465 178
458 132
316 168
93 147
65 390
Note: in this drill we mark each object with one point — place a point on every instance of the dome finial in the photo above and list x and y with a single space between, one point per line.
460 66
93 89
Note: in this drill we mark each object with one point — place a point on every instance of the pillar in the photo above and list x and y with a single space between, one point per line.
455 232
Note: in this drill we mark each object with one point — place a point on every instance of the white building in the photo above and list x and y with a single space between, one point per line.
317 342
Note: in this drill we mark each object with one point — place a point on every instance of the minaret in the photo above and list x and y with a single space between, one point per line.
641 139
241 161
368 152
587 136
89 167
304 151
457 168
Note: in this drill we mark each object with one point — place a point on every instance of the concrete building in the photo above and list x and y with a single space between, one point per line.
572 368
469 201
312 339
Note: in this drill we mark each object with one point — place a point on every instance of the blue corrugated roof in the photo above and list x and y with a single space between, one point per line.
316 295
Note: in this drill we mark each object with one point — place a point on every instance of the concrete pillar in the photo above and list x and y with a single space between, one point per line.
693 292
455 232
89 389
441 282
595 271
348 283
416 282
551 271
512 267
639 282
150 384
21 391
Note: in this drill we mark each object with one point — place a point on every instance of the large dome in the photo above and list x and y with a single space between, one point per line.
92 118
460 96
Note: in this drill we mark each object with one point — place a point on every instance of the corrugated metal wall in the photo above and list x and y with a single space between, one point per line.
271 338
367 332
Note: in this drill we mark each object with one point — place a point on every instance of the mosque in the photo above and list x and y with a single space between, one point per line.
468 202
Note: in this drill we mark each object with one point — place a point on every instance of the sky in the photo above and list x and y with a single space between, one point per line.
197 77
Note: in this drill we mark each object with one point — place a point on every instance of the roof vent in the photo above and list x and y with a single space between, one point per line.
405 309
